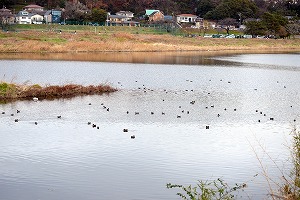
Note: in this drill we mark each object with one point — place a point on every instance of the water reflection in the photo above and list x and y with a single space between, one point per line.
268 61
187 58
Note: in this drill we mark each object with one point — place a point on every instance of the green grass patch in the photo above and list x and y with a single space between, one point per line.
3 87
28 26
7 90
93 29
3 35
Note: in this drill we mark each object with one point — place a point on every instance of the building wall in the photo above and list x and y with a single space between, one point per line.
56 16
23 17
156 16
186 19
112 19
48 19
23 20
37 19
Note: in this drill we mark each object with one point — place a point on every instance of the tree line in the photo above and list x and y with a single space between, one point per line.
271 13
209 9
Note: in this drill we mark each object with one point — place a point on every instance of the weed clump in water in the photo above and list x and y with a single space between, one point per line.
206 190
10 91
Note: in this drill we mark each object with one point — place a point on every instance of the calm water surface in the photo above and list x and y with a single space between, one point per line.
68 159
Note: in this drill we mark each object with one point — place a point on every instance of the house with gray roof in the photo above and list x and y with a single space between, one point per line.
121 18
128 14
23 17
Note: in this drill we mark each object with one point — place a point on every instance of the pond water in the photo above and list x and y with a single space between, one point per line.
250 102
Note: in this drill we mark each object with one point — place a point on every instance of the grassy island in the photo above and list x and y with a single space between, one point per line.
10 91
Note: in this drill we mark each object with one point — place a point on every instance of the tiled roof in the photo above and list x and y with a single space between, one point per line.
21 13
149 12
118 16
33 6
126 12
153 13
48 12
187 15
4 10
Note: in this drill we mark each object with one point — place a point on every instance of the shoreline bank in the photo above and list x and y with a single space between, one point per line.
52 42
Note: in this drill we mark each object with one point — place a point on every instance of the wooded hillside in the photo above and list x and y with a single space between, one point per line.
213 9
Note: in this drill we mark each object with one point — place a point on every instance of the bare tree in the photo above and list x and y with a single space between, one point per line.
293 29
76 11
227 23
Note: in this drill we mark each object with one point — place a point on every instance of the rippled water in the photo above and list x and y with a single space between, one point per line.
65 158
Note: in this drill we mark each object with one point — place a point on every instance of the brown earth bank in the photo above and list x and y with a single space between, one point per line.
55 42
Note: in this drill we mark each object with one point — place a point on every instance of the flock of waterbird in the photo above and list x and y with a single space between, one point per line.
144 89
17 119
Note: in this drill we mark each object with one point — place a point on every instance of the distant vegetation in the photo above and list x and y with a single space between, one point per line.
209 9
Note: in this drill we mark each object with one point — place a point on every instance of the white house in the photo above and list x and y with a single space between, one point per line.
23 17
37 19
186 18
121 18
